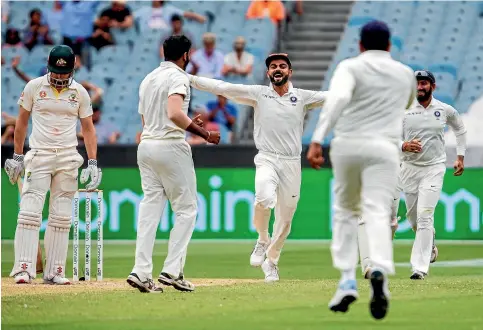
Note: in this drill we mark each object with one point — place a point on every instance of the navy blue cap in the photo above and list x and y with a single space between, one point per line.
425 75
375 35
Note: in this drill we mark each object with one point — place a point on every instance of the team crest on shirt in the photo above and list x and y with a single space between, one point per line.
28 176
73 97
42 94
437 114
293 99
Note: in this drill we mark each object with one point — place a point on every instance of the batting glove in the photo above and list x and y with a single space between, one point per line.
14 168
92 172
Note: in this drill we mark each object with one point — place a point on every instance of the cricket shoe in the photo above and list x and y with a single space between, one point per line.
271 271
379 303
179 283
417 275
146 286
57 280
258 254
22 278
345 295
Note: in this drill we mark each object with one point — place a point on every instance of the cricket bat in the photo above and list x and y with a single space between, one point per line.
40 264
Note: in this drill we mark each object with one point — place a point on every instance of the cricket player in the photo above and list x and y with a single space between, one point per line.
422 173
166 166
55 102
367 98
279 117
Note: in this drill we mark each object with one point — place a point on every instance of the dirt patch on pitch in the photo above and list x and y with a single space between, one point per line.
9 288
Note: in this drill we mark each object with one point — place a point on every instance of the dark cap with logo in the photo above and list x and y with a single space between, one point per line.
278 56
425 75
61 60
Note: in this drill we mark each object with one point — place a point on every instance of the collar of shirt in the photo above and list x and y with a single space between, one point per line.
375 53
290 89
168 64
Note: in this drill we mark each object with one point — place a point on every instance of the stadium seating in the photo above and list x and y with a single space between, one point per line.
119 69
444 37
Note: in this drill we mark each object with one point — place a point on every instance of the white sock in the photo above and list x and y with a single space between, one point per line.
349 274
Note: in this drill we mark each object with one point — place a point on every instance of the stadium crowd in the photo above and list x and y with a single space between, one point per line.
91 27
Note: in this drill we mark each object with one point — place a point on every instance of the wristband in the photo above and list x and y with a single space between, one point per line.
18 158
92 162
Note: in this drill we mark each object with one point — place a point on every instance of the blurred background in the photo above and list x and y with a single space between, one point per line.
119 42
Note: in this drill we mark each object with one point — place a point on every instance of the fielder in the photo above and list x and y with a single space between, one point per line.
422 173
166 166
280 110
367 98
55 101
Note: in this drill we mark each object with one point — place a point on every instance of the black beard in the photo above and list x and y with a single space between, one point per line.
425 97
279 83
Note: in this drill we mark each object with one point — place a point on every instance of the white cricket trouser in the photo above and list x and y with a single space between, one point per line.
422 187
365 178
167 172
362 237
277 185
46 169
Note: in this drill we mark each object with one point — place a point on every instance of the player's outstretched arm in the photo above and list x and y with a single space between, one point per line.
340 94
313 99
244 94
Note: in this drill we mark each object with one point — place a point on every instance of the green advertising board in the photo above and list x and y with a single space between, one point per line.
225 199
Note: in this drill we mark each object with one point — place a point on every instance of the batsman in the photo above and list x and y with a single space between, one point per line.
54 101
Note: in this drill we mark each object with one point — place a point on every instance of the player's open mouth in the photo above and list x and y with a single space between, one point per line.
278 75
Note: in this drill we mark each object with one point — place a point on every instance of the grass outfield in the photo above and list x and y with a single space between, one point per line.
231 296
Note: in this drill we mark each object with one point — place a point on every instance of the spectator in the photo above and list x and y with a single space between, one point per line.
37 33
200 110
106 132
101 36
53 16
12 39
8 128
176 30
239 62
222 113
119 15
159 15
76 26
207 62
5 11
271 9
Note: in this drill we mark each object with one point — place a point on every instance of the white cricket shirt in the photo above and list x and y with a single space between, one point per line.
367 98
427 125
279 120
166 80
54 115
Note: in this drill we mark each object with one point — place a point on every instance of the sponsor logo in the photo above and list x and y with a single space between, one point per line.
24 266
437 114
42 94
293 99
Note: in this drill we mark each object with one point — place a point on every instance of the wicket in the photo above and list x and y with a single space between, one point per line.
87 239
